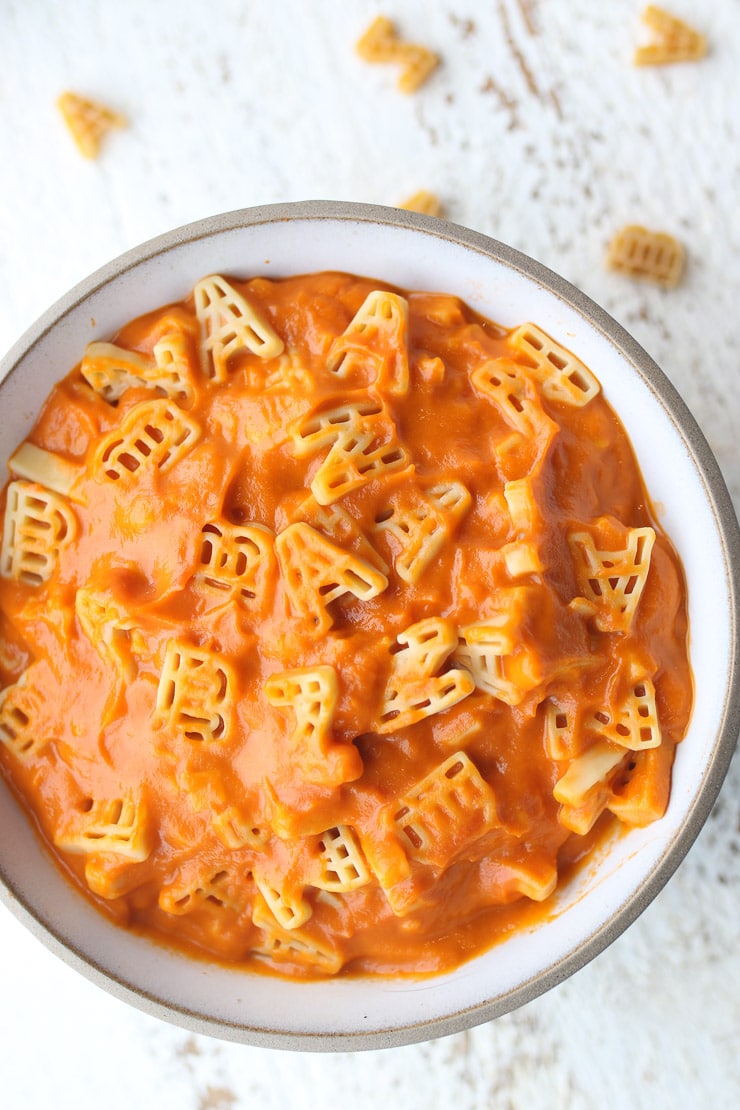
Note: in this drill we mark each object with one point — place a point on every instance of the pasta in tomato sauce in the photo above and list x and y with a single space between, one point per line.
335 625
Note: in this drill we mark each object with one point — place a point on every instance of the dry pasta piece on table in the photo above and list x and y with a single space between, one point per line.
672 40
428 204
649 255
88 121
197 885
380 43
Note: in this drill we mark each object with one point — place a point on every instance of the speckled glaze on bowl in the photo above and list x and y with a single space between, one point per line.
415 252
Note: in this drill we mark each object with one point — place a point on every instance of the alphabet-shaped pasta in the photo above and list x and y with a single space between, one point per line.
293 945
422 528
642 795
216 886
19 731
118 825
425 202
563 377
316 572
497 656
288 910
672 40
415 690
337 525
235 830
238 561
310 695
522 505
174 367
637 252
561 741
321 428
613 581
194 694
587 771
38 525
88 121
446 812
111 370
113 633
229 324
506 384
363 446
342 866
634 723
377 339
154 435
533 877
380 43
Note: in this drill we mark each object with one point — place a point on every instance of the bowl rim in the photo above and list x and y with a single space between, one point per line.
728 532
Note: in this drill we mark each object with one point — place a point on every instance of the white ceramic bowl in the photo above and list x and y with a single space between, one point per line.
685 484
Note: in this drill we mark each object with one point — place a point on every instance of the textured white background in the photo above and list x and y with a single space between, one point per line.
539 131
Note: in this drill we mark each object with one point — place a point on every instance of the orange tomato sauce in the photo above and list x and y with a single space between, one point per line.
309 669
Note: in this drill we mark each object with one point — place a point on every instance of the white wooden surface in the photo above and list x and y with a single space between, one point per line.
536 130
